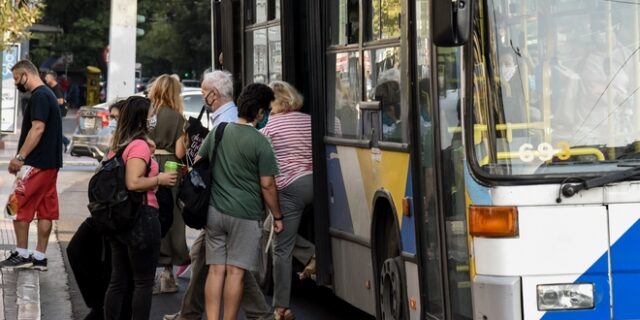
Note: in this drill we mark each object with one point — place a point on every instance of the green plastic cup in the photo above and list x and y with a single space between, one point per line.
171 166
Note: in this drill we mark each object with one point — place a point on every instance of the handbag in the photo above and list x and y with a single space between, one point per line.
195 187
196 133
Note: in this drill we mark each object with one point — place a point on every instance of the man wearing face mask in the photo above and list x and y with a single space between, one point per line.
40 152
217 90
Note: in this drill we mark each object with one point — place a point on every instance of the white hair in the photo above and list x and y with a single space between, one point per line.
221 80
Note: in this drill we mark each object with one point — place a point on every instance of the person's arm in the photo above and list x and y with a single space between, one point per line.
60 101
270 196
33 138
136 180
181 146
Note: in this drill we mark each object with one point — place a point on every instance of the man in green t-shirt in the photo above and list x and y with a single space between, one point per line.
243 175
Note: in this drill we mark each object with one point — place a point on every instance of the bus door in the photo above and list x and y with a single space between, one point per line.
367 154
440 170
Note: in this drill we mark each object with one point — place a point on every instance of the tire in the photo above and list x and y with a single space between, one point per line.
391 293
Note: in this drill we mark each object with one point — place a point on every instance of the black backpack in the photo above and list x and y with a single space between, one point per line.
195 188
113 207
196 133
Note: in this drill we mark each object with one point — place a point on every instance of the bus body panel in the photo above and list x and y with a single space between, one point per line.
624 221
542 195
413 290
353 274
545 246
354 176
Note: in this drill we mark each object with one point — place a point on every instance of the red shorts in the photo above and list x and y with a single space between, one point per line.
36 194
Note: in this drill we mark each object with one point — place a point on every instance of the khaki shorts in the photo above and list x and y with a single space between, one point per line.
232 241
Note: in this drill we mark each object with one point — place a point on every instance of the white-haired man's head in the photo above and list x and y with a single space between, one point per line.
217 88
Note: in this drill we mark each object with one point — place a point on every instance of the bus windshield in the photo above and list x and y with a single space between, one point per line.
555 87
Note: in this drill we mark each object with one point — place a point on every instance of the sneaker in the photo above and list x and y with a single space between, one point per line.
175 316
16 261
40 265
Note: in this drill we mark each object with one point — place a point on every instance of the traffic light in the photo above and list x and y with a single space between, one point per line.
140 19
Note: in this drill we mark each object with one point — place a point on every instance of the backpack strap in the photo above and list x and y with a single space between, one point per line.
219 133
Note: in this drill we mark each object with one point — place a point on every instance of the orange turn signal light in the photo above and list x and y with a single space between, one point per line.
493 222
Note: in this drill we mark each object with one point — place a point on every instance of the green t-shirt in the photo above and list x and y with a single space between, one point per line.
244 155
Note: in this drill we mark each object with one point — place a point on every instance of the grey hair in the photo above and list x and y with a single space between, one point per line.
221 80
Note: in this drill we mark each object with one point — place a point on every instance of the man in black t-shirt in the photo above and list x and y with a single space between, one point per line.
38 160
51 79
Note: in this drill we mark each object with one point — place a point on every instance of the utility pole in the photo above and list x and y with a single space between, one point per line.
122 49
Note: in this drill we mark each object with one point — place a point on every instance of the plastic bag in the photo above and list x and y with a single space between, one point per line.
11 209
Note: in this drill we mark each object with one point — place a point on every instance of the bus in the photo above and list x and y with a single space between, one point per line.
473 159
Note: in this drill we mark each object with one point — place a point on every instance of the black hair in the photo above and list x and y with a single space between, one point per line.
118 105
254 97
132 123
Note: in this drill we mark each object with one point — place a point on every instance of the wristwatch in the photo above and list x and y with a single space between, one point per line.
19 157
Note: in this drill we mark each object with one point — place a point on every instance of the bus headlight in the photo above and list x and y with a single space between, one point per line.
568 296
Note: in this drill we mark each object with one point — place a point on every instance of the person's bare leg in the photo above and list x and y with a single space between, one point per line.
21 229
44 230
233 285
213 290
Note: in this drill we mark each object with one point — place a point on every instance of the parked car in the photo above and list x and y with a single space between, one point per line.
92 136
190 83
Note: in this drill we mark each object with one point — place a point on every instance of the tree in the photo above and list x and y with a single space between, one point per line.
15 19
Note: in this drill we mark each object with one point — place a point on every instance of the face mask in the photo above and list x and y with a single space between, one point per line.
21 86
152 122
206 101
264 120
113 123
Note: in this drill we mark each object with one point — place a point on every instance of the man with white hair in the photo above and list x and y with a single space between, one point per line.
217 90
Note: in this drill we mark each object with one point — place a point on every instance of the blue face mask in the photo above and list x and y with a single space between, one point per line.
113 124
264 121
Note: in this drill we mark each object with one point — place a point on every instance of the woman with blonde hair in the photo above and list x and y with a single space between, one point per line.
290 133
169 137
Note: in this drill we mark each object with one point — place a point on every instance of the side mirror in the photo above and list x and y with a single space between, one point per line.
451 22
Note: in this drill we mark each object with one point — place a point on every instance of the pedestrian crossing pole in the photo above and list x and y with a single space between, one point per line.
122 49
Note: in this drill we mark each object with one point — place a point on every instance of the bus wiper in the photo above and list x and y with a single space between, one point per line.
570 189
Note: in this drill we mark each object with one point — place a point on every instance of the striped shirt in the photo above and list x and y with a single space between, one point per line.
290 135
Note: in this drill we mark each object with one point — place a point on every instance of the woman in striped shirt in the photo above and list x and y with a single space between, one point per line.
290 133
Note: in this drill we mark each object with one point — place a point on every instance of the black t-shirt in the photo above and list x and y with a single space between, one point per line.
43 106
58 92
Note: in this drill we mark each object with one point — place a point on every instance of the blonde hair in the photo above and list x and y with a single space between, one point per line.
287 97
165 91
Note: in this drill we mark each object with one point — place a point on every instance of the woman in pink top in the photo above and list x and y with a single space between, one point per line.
134 254
290 133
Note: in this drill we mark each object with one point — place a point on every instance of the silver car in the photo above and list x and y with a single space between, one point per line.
92 136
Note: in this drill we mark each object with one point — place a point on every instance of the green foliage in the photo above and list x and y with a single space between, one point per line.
15 18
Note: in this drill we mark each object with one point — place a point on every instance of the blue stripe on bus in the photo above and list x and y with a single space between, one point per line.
625 263
479 194
408 232
597 274
339 213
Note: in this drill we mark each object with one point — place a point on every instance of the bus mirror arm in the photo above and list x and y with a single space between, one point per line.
570 189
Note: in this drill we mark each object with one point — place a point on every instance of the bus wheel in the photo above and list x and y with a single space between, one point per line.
391 289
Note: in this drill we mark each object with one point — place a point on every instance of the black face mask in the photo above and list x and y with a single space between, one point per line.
21 86
206 101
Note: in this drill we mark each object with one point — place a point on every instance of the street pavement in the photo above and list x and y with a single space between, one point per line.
54 294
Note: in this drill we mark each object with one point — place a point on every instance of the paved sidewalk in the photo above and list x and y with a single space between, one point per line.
20 289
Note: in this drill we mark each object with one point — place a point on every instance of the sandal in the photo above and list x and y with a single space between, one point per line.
309 270
283 314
